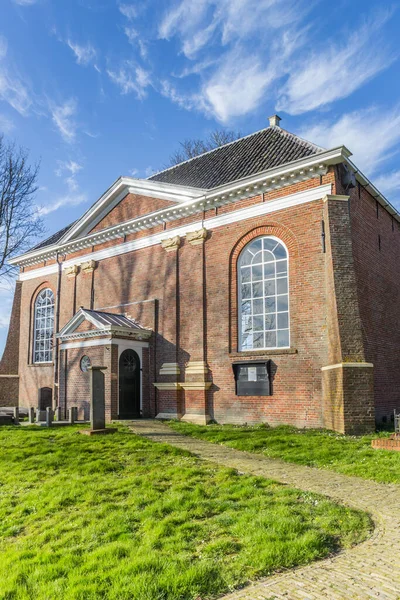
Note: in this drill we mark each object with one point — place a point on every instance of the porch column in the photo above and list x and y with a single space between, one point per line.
197 374
169 391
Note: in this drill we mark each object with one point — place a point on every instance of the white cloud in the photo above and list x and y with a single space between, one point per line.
67 200
63 117
12 90
71 168
25 2
131 78
389 183
372 134
6 125
132 34
128 10
337 71
85 54
242 50
133 172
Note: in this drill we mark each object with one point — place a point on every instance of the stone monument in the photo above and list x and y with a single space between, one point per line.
97 403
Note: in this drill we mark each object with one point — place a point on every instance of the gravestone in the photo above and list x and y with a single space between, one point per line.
31 415
40 415
97 403
72 414
57 413
49 416
16 415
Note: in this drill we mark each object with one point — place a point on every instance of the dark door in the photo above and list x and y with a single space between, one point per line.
45 398
129 385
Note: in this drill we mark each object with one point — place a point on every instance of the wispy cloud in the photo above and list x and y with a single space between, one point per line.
85 53
25 2
6 124
63 116
372 134
338 70
71 168
128 10
12 89
243 50
130 77
389 183
62 201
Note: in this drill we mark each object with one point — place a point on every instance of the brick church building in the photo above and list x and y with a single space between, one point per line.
257 282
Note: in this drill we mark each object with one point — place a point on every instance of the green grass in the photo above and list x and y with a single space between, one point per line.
122 518
312 447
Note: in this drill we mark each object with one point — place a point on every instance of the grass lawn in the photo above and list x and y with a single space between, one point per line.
120 517
316 448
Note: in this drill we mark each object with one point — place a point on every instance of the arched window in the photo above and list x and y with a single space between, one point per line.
43 327
263 295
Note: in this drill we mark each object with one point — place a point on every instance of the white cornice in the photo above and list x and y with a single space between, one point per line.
262 208
272 179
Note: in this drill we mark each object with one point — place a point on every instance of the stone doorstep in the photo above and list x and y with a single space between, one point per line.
97 431
393 443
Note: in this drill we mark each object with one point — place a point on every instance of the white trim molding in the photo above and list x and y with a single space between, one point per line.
262 208
188 202
348 364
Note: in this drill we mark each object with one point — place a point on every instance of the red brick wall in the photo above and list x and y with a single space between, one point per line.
378 284
9 386
130 207
196 287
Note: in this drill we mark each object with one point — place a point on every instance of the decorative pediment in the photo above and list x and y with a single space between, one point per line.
93 323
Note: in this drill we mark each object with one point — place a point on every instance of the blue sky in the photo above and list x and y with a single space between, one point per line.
101 88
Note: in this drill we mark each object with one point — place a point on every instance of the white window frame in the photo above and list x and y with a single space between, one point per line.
49 312
240 299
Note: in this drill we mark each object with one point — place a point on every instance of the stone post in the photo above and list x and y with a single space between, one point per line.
57 413
16 414
49 416
72 415
31 415
97 398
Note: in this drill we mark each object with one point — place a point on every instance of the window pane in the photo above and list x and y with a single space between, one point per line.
246 290
257 258
281 267
258 340
280 252
269 243
270 321
270 305
268 257
269 270
270 339
258 323
258 307
44 326
257 290
283 320
246 258
255 246
283 338
281 286
245 274
269 287
257 272
246 323
282 303
246 307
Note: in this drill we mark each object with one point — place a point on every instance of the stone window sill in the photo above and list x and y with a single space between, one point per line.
258 353
43 364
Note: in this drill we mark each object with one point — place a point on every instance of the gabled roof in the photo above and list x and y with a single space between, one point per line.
251 154
104 323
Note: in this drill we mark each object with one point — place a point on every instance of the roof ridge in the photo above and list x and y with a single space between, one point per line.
302 140
277 128
184 162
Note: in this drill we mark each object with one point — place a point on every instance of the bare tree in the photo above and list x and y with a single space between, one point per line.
20 221
193 147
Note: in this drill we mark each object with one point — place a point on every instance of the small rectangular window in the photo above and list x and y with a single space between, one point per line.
253 378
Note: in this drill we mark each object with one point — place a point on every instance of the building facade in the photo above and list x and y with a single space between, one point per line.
257 282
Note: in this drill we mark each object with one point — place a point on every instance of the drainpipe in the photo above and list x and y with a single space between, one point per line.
56 329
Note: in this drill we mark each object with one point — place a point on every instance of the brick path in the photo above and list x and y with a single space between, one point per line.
369 570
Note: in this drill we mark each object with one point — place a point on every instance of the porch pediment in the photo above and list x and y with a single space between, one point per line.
93 323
